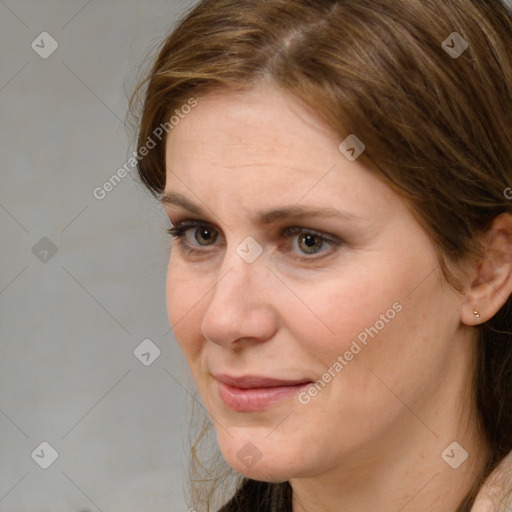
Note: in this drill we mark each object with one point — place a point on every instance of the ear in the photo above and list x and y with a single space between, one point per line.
490 283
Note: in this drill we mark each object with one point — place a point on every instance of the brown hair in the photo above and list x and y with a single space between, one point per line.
437 128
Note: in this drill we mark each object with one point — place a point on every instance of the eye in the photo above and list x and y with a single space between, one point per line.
203 234
310 246
195 236
308 242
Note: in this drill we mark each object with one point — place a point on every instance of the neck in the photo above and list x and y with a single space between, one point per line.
404 469
412 477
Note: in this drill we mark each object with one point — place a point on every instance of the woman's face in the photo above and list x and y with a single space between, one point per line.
303 268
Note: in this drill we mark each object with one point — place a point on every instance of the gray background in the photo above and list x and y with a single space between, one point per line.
70 321
69 325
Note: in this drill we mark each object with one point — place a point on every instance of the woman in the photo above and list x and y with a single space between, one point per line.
337 174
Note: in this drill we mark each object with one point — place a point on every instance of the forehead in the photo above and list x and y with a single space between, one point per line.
250 127
263 149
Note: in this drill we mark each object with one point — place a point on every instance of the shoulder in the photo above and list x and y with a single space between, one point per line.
495 494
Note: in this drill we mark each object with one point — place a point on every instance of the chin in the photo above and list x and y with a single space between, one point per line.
262 460
263 471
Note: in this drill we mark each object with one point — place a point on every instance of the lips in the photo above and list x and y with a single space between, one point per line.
255 393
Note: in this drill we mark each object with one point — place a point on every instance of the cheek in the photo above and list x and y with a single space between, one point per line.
386 339
381 357
374 323
330 315
183 297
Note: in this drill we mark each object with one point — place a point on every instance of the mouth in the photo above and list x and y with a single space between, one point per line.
255 393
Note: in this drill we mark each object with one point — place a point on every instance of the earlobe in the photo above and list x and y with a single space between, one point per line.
491 281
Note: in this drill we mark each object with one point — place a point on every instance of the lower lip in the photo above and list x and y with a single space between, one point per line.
256 399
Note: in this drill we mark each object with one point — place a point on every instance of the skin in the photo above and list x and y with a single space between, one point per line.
372 438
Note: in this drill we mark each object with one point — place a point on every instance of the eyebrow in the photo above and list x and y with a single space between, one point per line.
264 217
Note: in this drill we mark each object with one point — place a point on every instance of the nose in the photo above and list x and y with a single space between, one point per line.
240 305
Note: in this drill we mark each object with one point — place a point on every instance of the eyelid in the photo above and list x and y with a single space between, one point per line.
180 228
296 230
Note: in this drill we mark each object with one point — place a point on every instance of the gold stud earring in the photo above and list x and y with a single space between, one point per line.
477 314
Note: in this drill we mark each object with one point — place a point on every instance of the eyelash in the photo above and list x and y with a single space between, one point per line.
180 229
